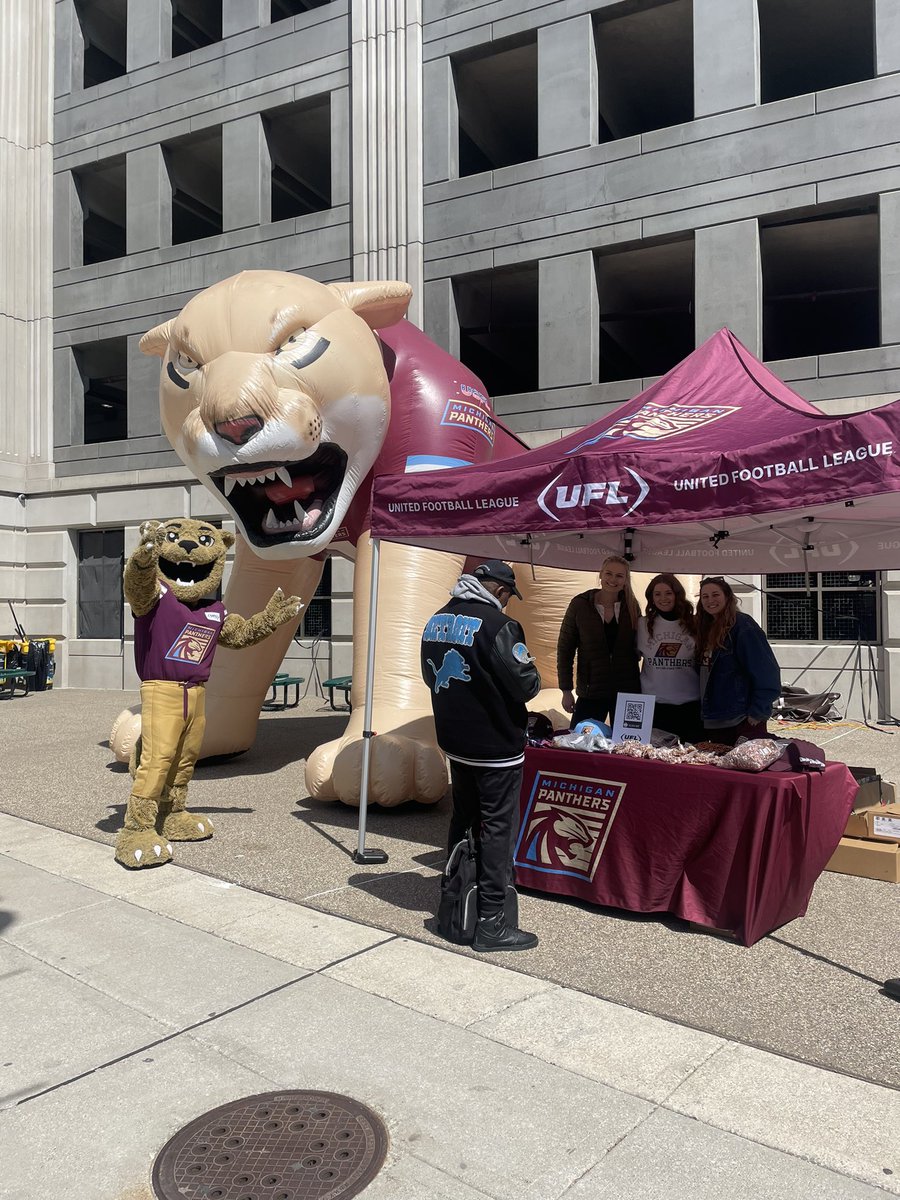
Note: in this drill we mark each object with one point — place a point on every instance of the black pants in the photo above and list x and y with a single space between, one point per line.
680 719
595 708
486 800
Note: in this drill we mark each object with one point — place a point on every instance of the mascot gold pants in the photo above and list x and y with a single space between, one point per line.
174 720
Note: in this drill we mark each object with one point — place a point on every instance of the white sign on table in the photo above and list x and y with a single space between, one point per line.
634 717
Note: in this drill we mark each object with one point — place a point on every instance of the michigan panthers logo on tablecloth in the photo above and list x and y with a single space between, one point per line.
654 422
566 824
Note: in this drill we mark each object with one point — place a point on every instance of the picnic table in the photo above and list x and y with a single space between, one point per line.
10 678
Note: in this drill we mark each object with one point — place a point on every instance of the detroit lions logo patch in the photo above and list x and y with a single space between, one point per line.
454 666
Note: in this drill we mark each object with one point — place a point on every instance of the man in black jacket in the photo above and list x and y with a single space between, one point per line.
480 674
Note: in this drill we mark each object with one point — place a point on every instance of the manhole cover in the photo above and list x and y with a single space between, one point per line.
276 1146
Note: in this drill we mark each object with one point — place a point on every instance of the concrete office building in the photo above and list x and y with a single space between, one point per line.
580 191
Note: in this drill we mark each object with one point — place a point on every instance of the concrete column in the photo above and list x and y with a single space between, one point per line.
340 147
143 391
246 174
68 50
68 223
726 55
568 321
441 321
441 119
889 238
68 399
887 36
728 282
238 15
148 219
567 86
149 33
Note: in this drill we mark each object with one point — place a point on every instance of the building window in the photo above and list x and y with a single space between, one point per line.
101 190
299 140
810 45
498 327
820 281
831 606
101 561
194 164
316 621
646 308
103 367
645 68
103 26
496 98
281 10
195 23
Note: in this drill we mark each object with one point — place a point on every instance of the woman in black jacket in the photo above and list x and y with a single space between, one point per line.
599 628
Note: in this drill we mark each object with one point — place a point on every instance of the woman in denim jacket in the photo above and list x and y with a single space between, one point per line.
739 676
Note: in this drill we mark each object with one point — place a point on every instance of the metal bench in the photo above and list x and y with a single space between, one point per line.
10 677
283 681
341 683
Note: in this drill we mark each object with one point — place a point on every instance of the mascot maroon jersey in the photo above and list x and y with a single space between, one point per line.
175 642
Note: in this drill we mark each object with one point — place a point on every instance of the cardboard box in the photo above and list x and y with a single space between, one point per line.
869 860
872 792
881 822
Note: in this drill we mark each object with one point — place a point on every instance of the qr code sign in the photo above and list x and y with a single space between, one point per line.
634 711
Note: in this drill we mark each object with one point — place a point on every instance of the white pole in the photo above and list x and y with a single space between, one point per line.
362 854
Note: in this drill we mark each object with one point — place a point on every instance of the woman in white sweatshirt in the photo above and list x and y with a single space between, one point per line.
665 640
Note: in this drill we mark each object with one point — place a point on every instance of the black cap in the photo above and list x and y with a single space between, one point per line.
500 572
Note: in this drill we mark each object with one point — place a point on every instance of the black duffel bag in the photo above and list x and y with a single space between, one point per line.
458 907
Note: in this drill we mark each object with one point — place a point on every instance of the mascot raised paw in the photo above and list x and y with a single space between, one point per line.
168 580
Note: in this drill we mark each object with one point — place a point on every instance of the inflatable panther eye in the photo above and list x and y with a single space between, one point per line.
303 347
185 363
205 540
172 536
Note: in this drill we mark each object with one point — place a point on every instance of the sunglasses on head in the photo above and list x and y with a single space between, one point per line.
712 579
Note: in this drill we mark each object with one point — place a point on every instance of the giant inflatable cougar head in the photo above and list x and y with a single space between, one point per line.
273 391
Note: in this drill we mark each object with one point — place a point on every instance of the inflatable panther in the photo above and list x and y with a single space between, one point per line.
280 397
169 578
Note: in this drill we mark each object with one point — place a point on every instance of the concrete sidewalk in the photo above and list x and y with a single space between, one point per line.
134 1002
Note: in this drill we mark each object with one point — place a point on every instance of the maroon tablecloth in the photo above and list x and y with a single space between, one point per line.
729 849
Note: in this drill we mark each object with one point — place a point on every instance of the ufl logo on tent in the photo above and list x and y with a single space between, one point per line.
654 422
566 824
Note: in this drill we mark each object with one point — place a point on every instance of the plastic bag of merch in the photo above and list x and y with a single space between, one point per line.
587 735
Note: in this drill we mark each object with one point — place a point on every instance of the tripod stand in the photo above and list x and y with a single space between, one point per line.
857 672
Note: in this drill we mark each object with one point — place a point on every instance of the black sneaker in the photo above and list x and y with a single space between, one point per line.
493 933
891 986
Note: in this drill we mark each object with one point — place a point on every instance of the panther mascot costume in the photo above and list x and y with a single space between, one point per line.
280 396
169 578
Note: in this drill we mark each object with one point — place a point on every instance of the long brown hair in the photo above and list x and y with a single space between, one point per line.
683 611
628 597
713 631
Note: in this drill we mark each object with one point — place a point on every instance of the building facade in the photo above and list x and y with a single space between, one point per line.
579 192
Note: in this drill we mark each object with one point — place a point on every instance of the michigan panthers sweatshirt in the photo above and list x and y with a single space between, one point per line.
480 674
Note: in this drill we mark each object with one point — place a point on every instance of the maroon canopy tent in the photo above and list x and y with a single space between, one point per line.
718 466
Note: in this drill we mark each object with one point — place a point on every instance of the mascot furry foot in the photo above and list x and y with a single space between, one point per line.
179 825
139 844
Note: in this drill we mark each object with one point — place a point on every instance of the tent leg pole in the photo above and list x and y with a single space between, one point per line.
363 855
